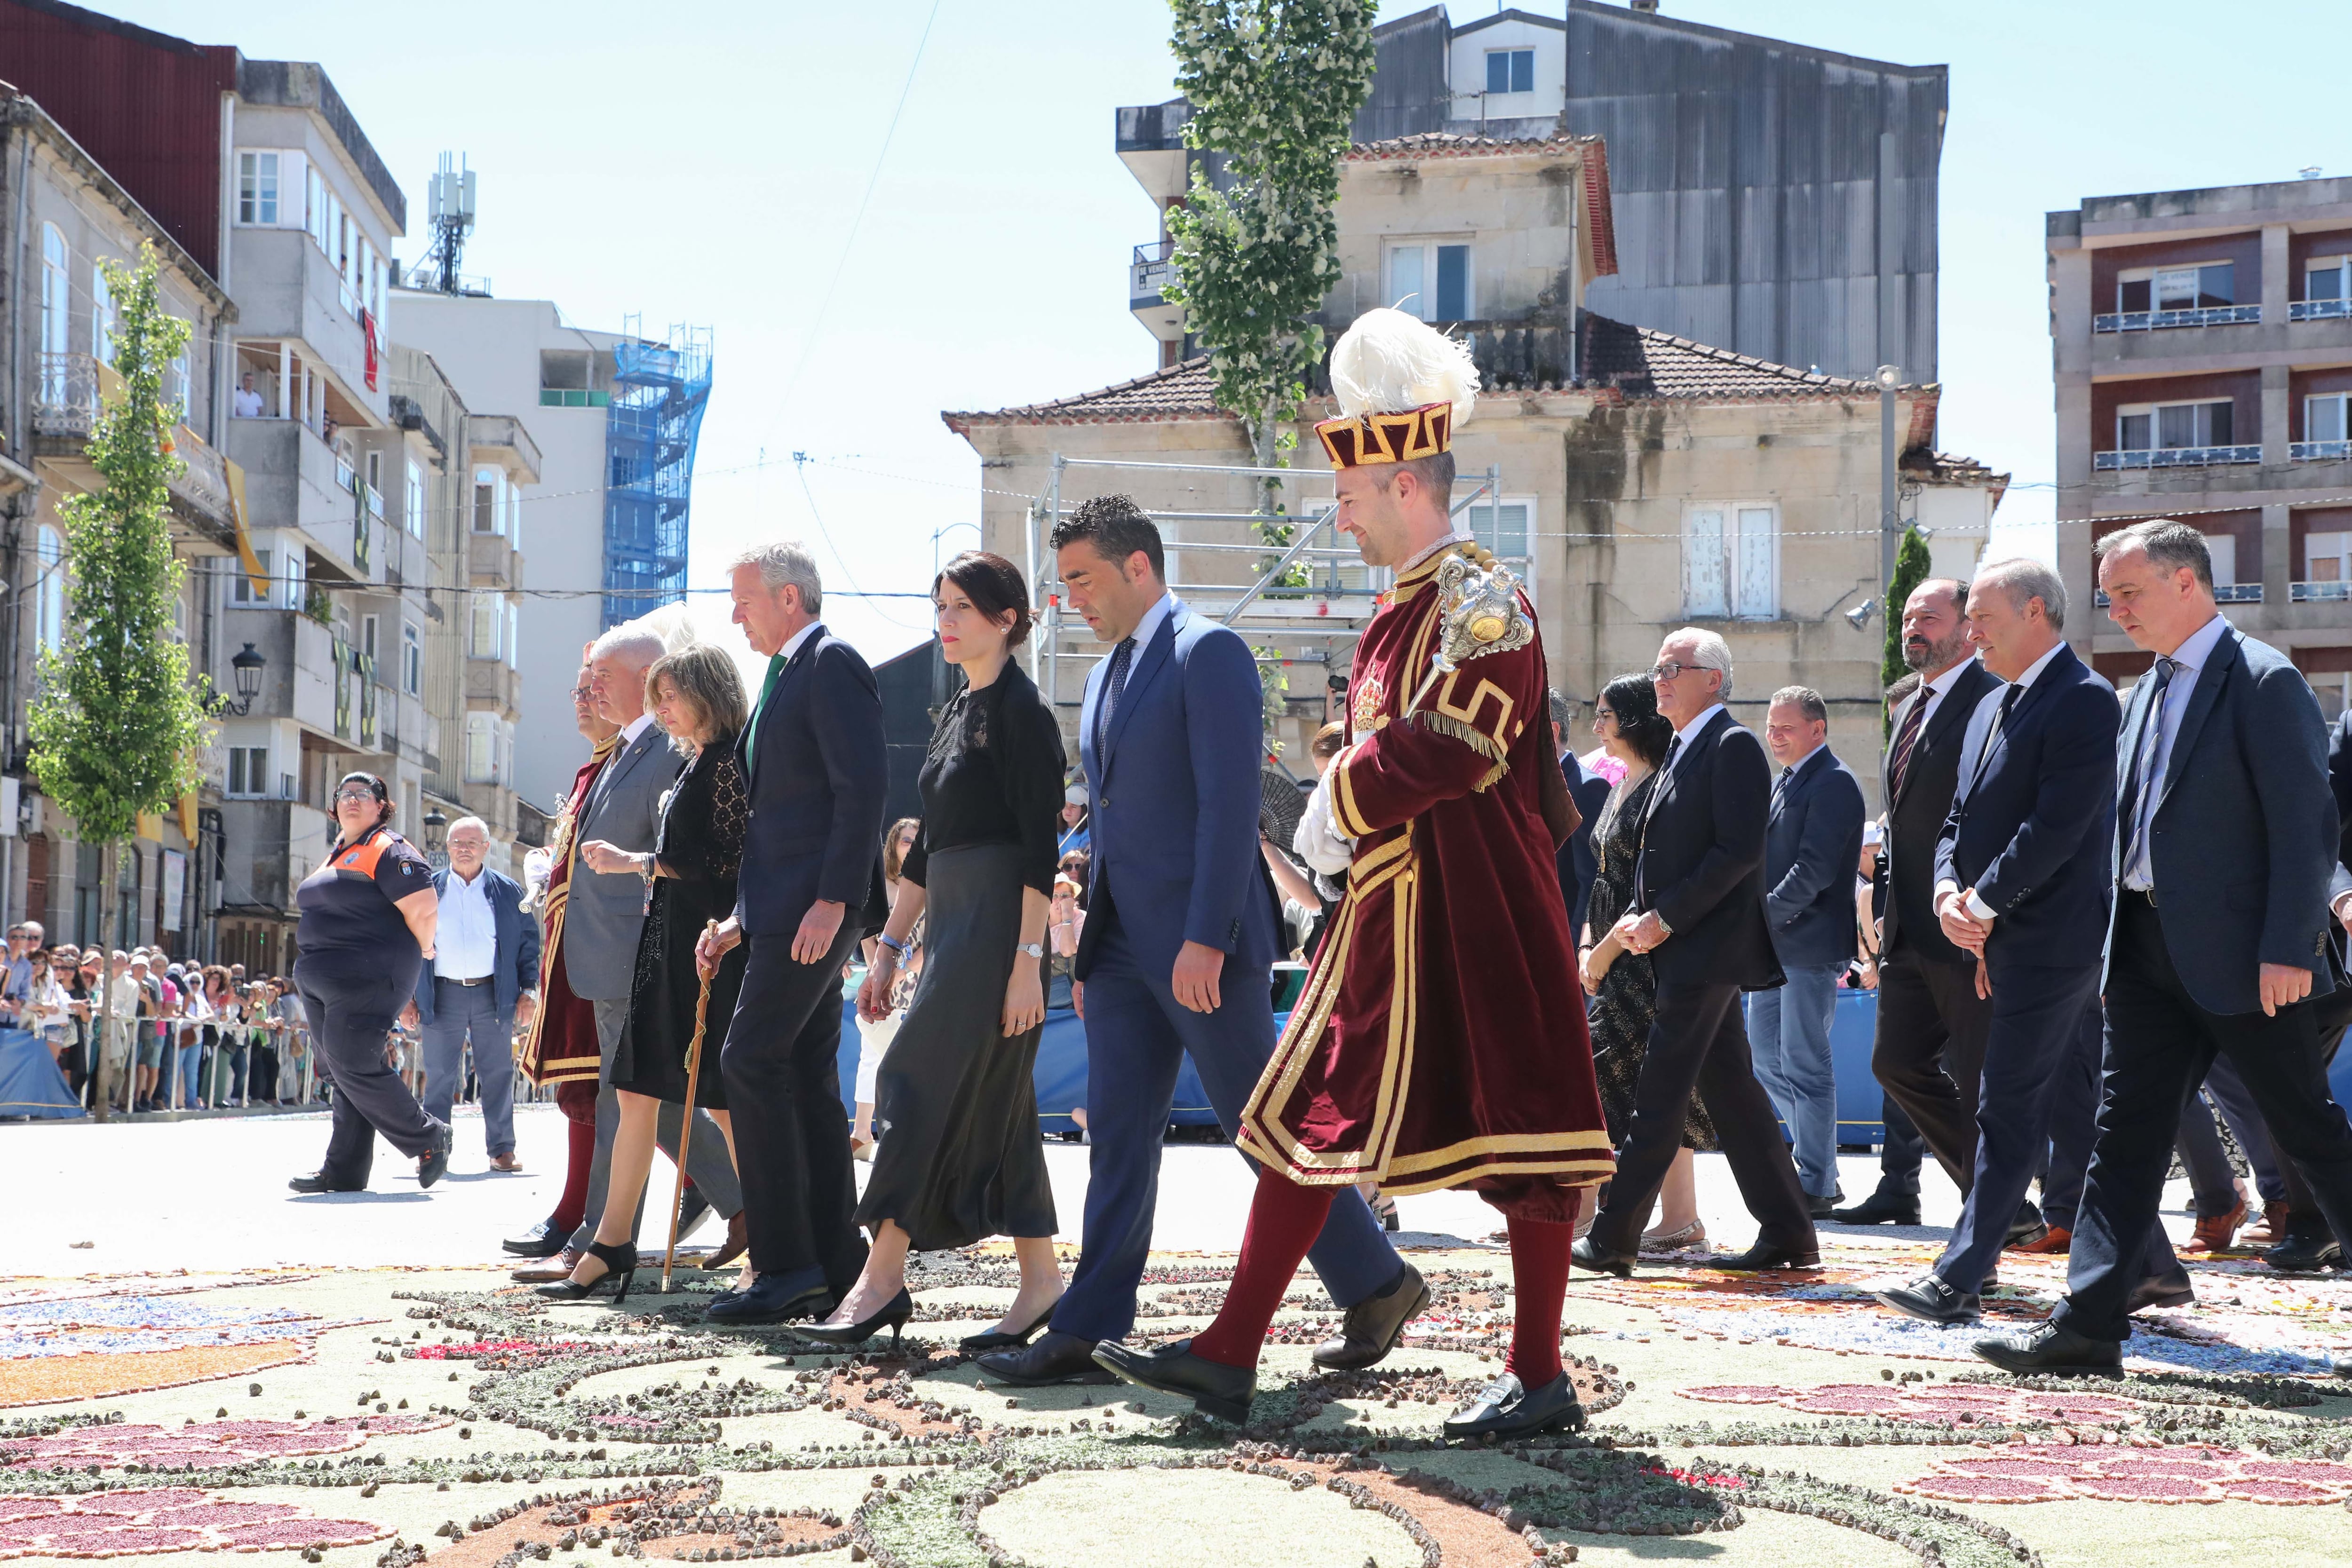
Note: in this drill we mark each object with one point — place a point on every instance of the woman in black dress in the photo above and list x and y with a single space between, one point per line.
697 697
1624 986
961 1156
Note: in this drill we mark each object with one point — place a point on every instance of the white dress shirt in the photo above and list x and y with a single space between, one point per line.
1977 906
792 643
2195 651
1676 749
466 941
1933 692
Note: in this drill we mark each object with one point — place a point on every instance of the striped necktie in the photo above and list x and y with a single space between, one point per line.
1906 740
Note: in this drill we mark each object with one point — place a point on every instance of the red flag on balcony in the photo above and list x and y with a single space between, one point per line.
367 326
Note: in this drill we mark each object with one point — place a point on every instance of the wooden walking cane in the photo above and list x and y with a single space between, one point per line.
686 1135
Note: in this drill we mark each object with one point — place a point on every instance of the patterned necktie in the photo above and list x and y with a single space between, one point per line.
1906 740
1114 682
2145 746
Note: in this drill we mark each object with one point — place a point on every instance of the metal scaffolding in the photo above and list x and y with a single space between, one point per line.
1309 624
659 391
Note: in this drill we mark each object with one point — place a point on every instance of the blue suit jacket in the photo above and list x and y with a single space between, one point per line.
2029 822
518 947
1175 797
2244 842
818 775
1574 859
1812 845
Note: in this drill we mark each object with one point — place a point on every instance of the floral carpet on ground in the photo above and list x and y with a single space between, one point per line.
383 1419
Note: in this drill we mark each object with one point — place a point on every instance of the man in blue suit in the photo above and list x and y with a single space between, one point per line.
818 767
480 983
2021 883
1591 793
1813 841
1179 944
2224 857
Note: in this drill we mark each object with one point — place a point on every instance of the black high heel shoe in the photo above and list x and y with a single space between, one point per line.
620 1262
997 1339
893 1316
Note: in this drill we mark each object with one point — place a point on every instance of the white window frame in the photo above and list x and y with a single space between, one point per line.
1506 51
2342 414
514 633
2154 276
2320 266
1731 560
486 628
296 574
56 299
249 773
1480 516
49 599
2153 412
369 627
262 186
102 315
412 658
2333 546
1417 295
241 586
481 747
412 500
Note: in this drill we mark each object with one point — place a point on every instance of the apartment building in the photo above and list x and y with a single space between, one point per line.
1637 480
262 172
67 219
1775 199
616 415
2202 347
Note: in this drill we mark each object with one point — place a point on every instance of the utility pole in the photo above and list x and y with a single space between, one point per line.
1890 527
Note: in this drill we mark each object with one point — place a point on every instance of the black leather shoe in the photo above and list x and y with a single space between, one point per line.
2342 1366
319 1181
2028 1226
2305 1257
1881 1207
541 1240
996 1339
547 1272
1590 1254
2051 1347
1374 1325
1931 1300
434 1164
1506 1409
773 1299
1823 1208
1763 1257
691 1210
1215 1388
2171 1289
1055 1358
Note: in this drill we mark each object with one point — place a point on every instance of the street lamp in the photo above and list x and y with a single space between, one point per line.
1890 378
248 665
437 831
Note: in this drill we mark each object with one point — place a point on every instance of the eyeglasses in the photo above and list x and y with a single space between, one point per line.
1667 669
354 793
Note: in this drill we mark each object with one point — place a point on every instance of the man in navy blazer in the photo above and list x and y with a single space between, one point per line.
814 761
1591 793
1813 841
482 983
1179 944
2222 856
1698 912
2020 884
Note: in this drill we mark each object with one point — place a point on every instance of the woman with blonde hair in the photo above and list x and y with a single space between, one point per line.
873 1035
696 697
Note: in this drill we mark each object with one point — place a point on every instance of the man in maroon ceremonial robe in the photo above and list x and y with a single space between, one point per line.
1440 1038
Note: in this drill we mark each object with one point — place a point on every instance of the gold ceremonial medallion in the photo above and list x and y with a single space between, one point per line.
1364 706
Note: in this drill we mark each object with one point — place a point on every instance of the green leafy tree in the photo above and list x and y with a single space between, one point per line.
1911 568
1273 85
118 717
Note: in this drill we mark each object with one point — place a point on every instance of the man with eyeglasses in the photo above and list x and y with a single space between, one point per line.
1698 912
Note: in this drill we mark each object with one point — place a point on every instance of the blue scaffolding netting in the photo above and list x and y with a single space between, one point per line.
659 390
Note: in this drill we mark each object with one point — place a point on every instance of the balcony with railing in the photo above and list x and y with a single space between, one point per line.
65 398
2178 457
2319 592
1149 277
2164 321
2319 451
2319 310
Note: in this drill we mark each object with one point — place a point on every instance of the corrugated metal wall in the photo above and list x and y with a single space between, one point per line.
1772 199
145 105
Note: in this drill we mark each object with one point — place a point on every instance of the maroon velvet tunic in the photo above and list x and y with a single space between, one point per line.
1440 1038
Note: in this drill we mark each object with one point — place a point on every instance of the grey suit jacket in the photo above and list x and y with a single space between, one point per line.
606 912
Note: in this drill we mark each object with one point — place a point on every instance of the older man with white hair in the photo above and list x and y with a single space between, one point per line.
480 982
1698 912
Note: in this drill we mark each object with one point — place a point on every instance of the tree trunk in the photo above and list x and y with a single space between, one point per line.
104 1014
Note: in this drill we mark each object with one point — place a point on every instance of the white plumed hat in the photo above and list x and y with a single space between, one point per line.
1401 387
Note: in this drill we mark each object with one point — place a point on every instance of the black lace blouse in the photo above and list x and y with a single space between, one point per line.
993 776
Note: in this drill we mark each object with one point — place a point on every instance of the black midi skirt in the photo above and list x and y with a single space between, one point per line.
961 1156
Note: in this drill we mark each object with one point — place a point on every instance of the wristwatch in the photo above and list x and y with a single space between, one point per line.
1034 949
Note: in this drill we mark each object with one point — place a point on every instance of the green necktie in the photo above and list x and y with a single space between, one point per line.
752 730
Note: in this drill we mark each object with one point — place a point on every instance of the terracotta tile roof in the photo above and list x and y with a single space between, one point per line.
1642 362
1185 391
1933 468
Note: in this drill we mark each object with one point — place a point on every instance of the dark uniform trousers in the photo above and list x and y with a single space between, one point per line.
784 1088
350 1012
1929 1053
2159 1044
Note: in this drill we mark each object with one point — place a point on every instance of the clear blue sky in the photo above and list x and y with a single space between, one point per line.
703 162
